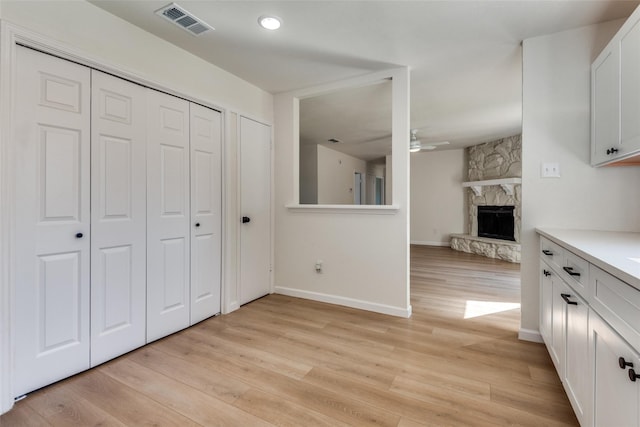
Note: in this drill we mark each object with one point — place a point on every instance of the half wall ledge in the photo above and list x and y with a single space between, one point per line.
491 248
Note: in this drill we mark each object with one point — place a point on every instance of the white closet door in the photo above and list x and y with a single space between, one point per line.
255 231
51 139
206 211
168 218
118 217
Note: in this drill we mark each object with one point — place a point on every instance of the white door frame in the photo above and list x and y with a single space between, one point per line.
10 36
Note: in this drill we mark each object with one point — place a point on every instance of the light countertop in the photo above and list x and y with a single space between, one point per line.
617 253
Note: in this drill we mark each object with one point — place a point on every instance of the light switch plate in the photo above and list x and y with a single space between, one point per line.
550 170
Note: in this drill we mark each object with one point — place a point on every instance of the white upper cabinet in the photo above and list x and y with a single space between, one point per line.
615 98
630 93
605 105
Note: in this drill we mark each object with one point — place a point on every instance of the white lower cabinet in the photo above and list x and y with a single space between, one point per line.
576 383
588 318
552 316
564 328
614 368
117 217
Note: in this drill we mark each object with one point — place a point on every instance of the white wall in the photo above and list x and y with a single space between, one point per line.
86 27
336 176
556 128
365 251
437 196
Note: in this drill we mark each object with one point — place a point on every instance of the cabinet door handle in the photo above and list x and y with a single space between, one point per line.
611 150
566 299
632 375
246 219
547 252
79 235
570 271
623 363
197 224
546 273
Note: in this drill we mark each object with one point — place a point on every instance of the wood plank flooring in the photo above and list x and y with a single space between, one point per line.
287 361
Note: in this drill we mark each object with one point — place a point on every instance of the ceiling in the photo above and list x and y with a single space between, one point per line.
465 56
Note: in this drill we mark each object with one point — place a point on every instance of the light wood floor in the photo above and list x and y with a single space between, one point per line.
286 361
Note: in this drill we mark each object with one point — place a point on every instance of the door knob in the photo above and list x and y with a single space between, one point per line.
79 235
245 219
633 376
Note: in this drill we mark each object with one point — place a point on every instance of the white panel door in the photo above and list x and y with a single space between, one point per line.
206 211
118 217
168 218
255 208
52 145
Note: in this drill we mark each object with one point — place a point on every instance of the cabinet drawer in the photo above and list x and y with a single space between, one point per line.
575 271
617 303
551 253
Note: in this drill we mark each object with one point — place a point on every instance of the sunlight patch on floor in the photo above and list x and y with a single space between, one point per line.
482 308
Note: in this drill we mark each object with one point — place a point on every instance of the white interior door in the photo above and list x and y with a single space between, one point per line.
206 211
168 218
255 208
52 145
118 217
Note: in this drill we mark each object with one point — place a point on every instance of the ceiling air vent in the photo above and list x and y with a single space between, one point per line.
179 16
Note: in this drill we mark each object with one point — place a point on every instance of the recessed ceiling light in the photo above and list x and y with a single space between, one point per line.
269 22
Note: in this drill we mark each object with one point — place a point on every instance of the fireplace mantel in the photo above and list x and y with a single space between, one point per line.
506 184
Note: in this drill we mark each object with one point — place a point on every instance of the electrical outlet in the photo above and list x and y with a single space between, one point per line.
318 266
550 170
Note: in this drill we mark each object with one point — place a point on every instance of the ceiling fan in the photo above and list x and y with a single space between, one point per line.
415 145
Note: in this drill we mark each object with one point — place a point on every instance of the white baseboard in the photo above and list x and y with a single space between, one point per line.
428 243
344 301
530 335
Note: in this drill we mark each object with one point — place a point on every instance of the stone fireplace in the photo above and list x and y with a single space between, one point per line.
494 191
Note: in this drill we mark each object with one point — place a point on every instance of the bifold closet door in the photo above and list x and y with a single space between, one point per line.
118 217
51 137
206 211
168 217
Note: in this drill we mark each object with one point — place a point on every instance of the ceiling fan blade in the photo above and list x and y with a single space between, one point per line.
435 144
